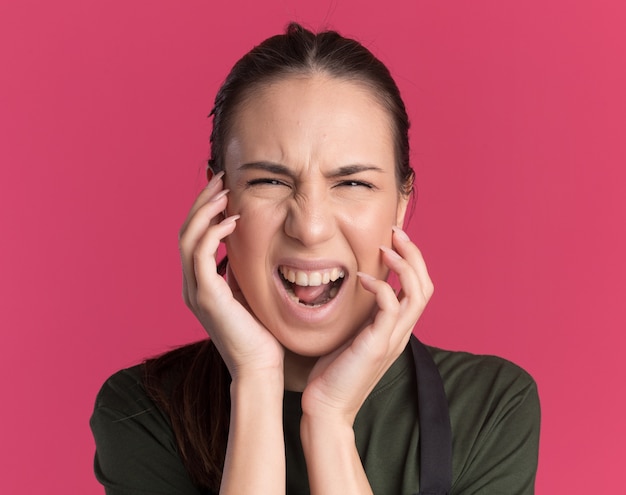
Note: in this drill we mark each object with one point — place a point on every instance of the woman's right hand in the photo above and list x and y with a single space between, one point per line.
255 455
246 346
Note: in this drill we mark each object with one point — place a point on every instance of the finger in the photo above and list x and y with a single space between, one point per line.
211 287
209 210
378 335
413 296
197 227
407 276
214 186
410 252
206 215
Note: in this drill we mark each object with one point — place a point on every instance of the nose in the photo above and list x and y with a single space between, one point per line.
310 219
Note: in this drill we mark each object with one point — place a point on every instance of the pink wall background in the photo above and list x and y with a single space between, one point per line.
519 115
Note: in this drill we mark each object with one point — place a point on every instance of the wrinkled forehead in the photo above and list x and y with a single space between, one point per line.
314 117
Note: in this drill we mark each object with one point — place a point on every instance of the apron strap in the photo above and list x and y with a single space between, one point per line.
434 422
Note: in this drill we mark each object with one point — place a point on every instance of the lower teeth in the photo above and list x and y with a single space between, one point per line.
331 294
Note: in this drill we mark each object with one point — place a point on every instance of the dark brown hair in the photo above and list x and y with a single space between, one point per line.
191 384
301 52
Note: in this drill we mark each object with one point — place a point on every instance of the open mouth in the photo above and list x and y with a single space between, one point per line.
311 288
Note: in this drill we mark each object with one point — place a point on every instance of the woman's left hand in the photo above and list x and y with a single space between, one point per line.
340 382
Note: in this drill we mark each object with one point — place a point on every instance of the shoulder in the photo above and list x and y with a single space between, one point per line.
124 391
136 449
485 374
495 419
138 392
123 411
483 391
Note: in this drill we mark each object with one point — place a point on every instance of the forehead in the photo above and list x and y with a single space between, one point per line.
314 118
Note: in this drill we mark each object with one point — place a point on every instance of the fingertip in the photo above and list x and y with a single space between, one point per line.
230 219
366 276
390 252
213 178
400 234
219 195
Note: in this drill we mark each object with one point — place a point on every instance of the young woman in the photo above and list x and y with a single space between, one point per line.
311 381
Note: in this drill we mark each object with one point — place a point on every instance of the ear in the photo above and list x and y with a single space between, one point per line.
403 203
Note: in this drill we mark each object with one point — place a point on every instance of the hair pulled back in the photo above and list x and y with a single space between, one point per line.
301 52
191 384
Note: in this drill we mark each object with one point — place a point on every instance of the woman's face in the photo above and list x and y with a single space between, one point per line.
311 168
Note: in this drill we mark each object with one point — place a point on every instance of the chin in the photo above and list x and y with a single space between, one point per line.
314 343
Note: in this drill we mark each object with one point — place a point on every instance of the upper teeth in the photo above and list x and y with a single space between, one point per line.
314 279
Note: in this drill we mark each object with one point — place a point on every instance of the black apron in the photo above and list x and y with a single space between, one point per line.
434 423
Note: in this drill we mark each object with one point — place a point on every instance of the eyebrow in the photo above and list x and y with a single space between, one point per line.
278 169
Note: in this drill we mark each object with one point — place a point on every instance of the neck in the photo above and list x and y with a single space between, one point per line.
297 370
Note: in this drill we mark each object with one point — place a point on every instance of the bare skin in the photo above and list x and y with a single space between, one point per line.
315 212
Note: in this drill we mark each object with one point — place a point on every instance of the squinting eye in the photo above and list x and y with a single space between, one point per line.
356 183
267 181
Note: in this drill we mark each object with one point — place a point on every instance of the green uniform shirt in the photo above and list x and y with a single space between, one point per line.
494 412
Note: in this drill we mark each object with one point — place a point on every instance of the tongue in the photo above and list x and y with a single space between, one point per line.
312 295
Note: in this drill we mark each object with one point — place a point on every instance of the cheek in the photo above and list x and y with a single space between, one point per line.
372 226
368 231
252 208
256 229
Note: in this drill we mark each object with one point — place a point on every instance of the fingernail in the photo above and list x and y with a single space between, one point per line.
215 178
220 195
390 252
231 219
365 276
400 233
